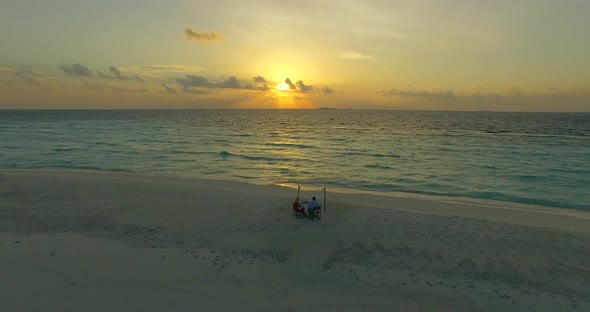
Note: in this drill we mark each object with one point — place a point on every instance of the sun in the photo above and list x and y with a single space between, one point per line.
282 87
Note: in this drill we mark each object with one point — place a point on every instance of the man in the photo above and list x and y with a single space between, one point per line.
313 204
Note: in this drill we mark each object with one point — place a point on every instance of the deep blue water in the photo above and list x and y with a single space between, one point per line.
537 158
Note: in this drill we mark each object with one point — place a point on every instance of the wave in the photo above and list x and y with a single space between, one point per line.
376 155
190 152
244 177
386 155
105 143
377 166
241 135
226 154
63 149
530 178
290 145
495 196
73 167
159 141
213 172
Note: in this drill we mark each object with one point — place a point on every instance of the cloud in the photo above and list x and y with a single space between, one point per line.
195 91
230 83
513 92
159 71
168 89
76 69
205 37
299 85
119 75
327 90
26 75
29 77
290 84
188 83
351 55
303 87
259 79
194 81
263 87
432 94
262 83
116 72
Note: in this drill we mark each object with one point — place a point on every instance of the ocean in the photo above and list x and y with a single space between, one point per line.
532 158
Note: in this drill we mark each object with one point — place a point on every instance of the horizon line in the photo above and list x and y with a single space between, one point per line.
288 109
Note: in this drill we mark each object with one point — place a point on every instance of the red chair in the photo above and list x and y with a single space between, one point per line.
297 210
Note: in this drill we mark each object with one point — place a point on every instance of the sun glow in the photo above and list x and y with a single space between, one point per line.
282 87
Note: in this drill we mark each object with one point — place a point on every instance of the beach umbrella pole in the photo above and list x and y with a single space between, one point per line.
324 189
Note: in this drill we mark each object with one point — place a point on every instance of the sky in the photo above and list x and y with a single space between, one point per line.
525 55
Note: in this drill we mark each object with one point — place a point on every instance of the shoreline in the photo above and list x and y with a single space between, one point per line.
493 210
334 189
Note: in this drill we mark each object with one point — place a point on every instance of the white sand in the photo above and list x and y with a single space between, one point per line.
87 241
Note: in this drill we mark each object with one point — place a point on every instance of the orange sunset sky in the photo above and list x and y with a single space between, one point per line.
529 55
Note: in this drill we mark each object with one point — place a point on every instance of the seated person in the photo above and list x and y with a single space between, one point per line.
312 205
296 204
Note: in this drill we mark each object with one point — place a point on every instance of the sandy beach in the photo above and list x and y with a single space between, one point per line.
92 241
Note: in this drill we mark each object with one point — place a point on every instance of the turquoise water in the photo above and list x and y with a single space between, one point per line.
536 158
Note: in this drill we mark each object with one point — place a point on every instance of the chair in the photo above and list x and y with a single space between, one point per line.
297 211
316 213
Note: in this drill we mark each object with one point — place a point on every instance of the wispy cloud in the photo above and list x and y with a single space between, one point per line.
116 72
26 75
192 83
327 90
290 84
76 69
159 71
432 94
128 90
299 85
204 37
513 92
168 89
199 81
352 55
195 91
261 84
259 79
303 87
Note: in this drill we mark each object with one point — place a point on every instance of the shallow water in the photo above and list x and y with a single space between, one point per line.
537 158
